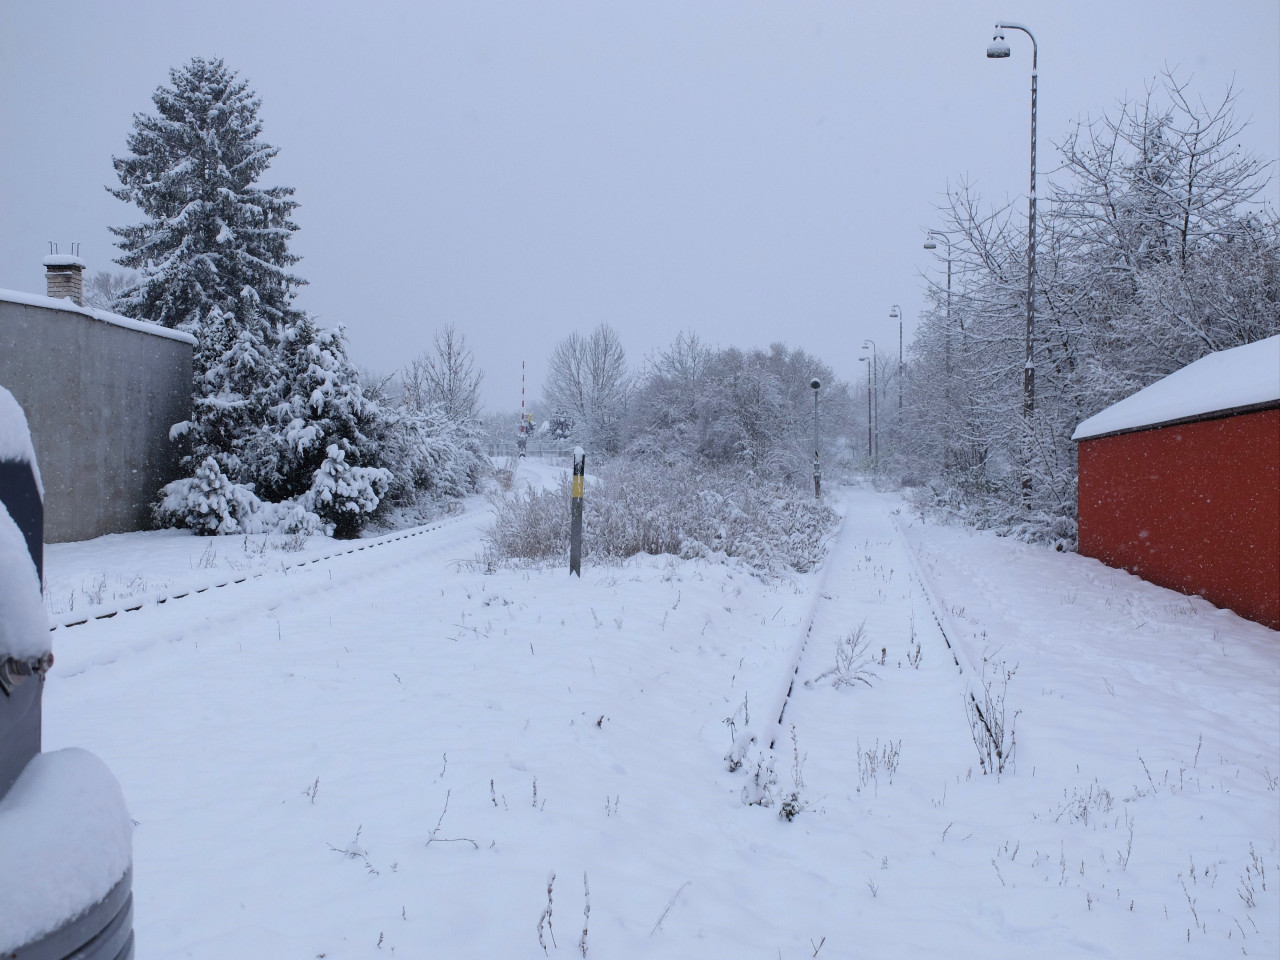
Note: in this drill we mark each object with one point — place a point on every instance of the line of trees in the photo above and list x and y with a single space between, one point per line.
284 436
1154 249
695 403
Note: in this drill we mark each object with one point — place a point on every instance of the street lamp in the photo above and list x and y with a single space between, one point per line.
815 383
867 360
930 245
999 50
946 387
871 345
895 313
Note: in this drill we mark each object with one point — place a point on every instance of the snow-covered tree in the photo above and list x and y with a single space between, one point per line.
210 232
281 433
749 409
1154 251
587 383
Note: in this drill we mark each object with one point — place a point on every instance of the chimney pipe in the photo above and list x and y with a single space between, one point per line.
65 277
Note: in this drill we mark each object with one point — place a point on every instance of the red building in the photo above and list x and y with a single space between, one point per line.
1180 482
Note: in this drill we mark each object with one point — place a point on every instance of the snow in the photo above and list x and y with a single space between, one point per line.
393 749
63 260
24 628
66 837
1223 381
70 306
15 438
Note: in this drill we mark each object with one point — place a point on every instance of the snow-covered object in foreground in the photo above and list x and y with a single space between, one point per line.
15 438
66 838
24 625
1227 381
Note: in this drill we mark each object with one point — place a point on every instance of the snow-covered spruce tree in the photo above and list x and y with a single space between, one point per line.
279 434
322 450
209 231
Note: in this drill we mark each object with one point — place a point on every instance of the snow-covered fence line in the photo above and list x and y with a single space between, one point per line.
106 612
993 738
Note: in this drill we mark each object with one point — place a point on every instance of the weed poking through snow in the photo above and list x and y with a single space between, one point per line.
853 660
993 732
545 919
792 805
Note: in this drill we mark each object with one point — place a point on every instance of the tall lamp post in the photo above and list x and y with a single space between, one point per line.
867 360
929 244
895 313
815 383
999 50
871 345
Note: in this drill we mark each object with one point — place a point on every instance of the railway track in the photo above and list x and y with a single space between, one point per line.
756 748
234 578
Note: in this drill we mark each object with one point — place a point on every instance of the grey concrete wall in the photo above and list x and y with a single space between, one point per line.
100 398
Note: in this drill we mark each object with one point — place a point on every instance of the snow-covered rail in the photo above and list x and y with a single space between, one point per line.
132 605
977 697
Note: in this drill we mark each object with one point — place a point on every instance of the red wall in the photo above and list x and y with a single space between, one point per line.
1193 507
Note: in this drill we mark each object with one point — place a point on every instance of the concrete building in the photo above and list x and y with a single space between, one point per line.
1180 482
100 392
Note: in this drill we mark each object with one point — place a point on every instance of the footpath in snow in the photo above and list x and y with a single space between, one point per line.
393 750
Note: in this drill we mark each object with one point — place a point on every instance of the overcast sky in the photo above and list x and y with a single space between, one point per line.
753 171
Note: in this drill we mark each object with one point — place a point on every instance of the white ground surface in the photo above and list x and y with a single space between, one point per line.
390 752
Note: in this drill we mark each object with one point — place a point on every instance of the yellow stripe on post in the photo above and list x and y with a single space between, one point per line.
575 521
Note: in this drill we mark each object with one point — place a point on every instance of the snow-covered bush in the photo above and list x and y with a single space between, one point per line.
646 507
209 502
341 493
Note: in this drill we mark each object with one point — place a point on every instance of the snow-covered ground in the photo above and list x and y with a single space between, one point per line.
392 752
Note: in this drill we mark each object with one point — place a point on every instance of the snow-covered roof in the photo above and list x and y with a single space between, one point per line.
1225 382
35 300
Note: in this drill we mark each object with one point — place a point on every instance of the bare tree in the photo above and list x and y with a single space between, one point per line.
445 375
105 287
1155 250
587 382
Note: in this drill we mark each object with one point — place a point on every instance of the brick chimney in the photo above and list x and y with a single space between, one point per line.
65 277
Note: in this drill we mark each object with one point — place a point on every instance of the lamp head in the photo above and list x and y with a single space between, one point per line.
999 49
815 383
895 313
930 245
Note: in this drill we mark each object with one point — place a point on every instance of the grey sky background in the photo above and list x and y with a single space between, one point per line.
752 171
